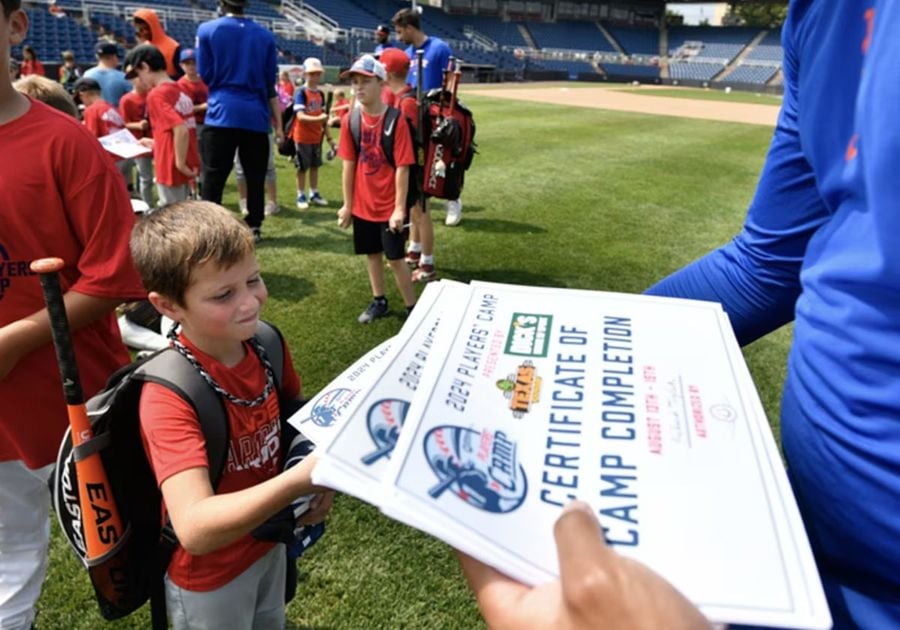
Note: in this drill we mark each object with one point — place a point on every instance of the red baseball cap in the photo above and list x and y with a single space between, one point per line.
395 60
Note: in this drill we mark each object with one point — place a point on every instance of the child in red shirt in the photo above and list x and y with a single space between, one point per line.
171 114
339 109
99 117
397 93
133 108
192 85
374 191
309 128
217 300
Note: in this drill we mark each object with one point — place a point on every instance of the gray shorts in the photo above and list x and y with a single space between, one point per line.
254 599
308 156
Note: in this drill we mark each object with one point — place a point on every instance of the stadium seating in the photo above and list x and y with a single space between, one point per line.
636 40
504 33
695 70
569 35
572 68
49 35
631 70
745 73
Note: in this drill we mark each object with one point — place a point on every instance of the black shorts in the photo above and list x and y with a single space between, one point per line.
308 156
374 237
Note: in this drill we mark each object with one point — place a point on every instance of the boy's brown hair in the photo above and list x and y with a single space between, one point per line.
407 17
50 92
169 244
10 5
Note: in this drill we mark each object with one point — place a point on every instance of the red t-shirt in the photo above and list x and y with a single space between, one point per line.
174 443
404 103
373 182
169 107
69 202
198 92
133 108
341 107
102 119
312 103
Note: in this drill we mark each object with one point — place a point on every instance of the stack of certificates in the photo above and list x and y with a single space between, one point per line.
496 405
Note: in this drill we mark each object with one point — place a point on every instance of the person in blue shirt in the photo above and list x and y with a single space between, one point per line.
408 28
821 246
382 39
113 83
237 59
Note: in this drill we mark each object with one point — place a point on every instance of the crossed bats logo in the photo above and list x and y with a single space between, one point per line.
384 421
479 467
327 409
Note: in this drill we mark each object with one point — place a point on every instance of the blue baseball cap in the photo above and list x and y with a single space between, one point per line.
187 55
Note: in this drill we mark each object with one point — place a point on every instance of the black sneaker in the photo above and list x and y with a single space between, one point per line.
376 309
257 235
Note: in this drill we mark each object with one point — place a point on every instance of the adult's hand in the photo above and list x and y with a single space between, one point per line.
597 588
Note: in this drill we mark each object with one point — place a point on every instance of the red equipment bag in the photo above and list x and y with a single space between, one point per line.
448 139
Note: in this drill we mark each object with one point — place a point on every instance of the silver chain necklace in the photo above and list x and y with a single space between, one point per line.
260 353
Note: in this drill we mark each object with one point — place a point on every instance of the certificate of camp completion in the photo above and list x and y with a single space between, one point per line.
640 406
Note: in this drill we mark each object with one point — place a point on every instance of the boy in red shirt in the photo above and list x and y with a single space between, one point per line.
70 203
197 260
99 117
399 94
171 114
192 85
374 191
133 108
309 128
339 109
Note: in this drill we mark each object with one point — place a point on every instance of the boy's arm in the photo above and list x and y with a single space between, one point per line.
401 187
205 521
347 176
25 335
182 138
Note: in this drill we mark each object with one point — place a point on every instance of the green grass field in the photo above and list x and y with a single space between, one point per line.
558 196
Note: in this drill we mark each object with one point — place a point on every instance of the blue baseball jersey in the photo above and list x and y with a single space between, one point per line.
237 59
434 62
821 245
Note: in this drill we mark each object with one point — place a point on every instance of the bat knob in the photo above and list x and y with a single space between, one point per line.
47 265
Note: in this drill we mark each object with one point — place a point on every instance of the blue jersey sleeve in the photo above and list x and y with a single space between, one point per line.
204 56
756 275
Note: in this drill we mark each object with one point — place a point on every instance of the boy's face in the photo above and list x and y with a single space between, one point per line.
13 29
143 77
404 33
367 89
222 306
142 30
190 68
313 78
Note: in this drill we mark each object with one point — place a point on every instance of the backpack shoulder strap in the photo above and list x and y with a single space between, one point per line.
387 134
173 371
355 123
270 338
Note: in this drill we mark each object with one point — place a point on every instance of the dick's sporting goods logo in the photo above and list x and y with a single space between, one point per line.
479 467
529 335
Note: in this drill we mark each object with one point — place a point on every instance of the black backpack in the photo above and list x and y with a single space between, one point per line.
126 577
287 147
391 115
449 138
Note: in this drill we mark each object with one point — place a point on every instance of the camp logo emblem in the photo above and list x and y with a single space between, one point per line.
522 388
529 335
328 408
384 421
480 467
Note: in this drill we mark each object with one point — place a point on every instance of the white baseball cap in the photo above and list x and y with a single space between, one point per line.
312 64
367 66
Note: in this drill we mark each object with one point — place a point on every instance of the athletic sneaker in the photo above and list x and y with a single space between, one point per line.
302 203
412 259
243 205
317 199
454 212
424 273
272 208
376 309
257 234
